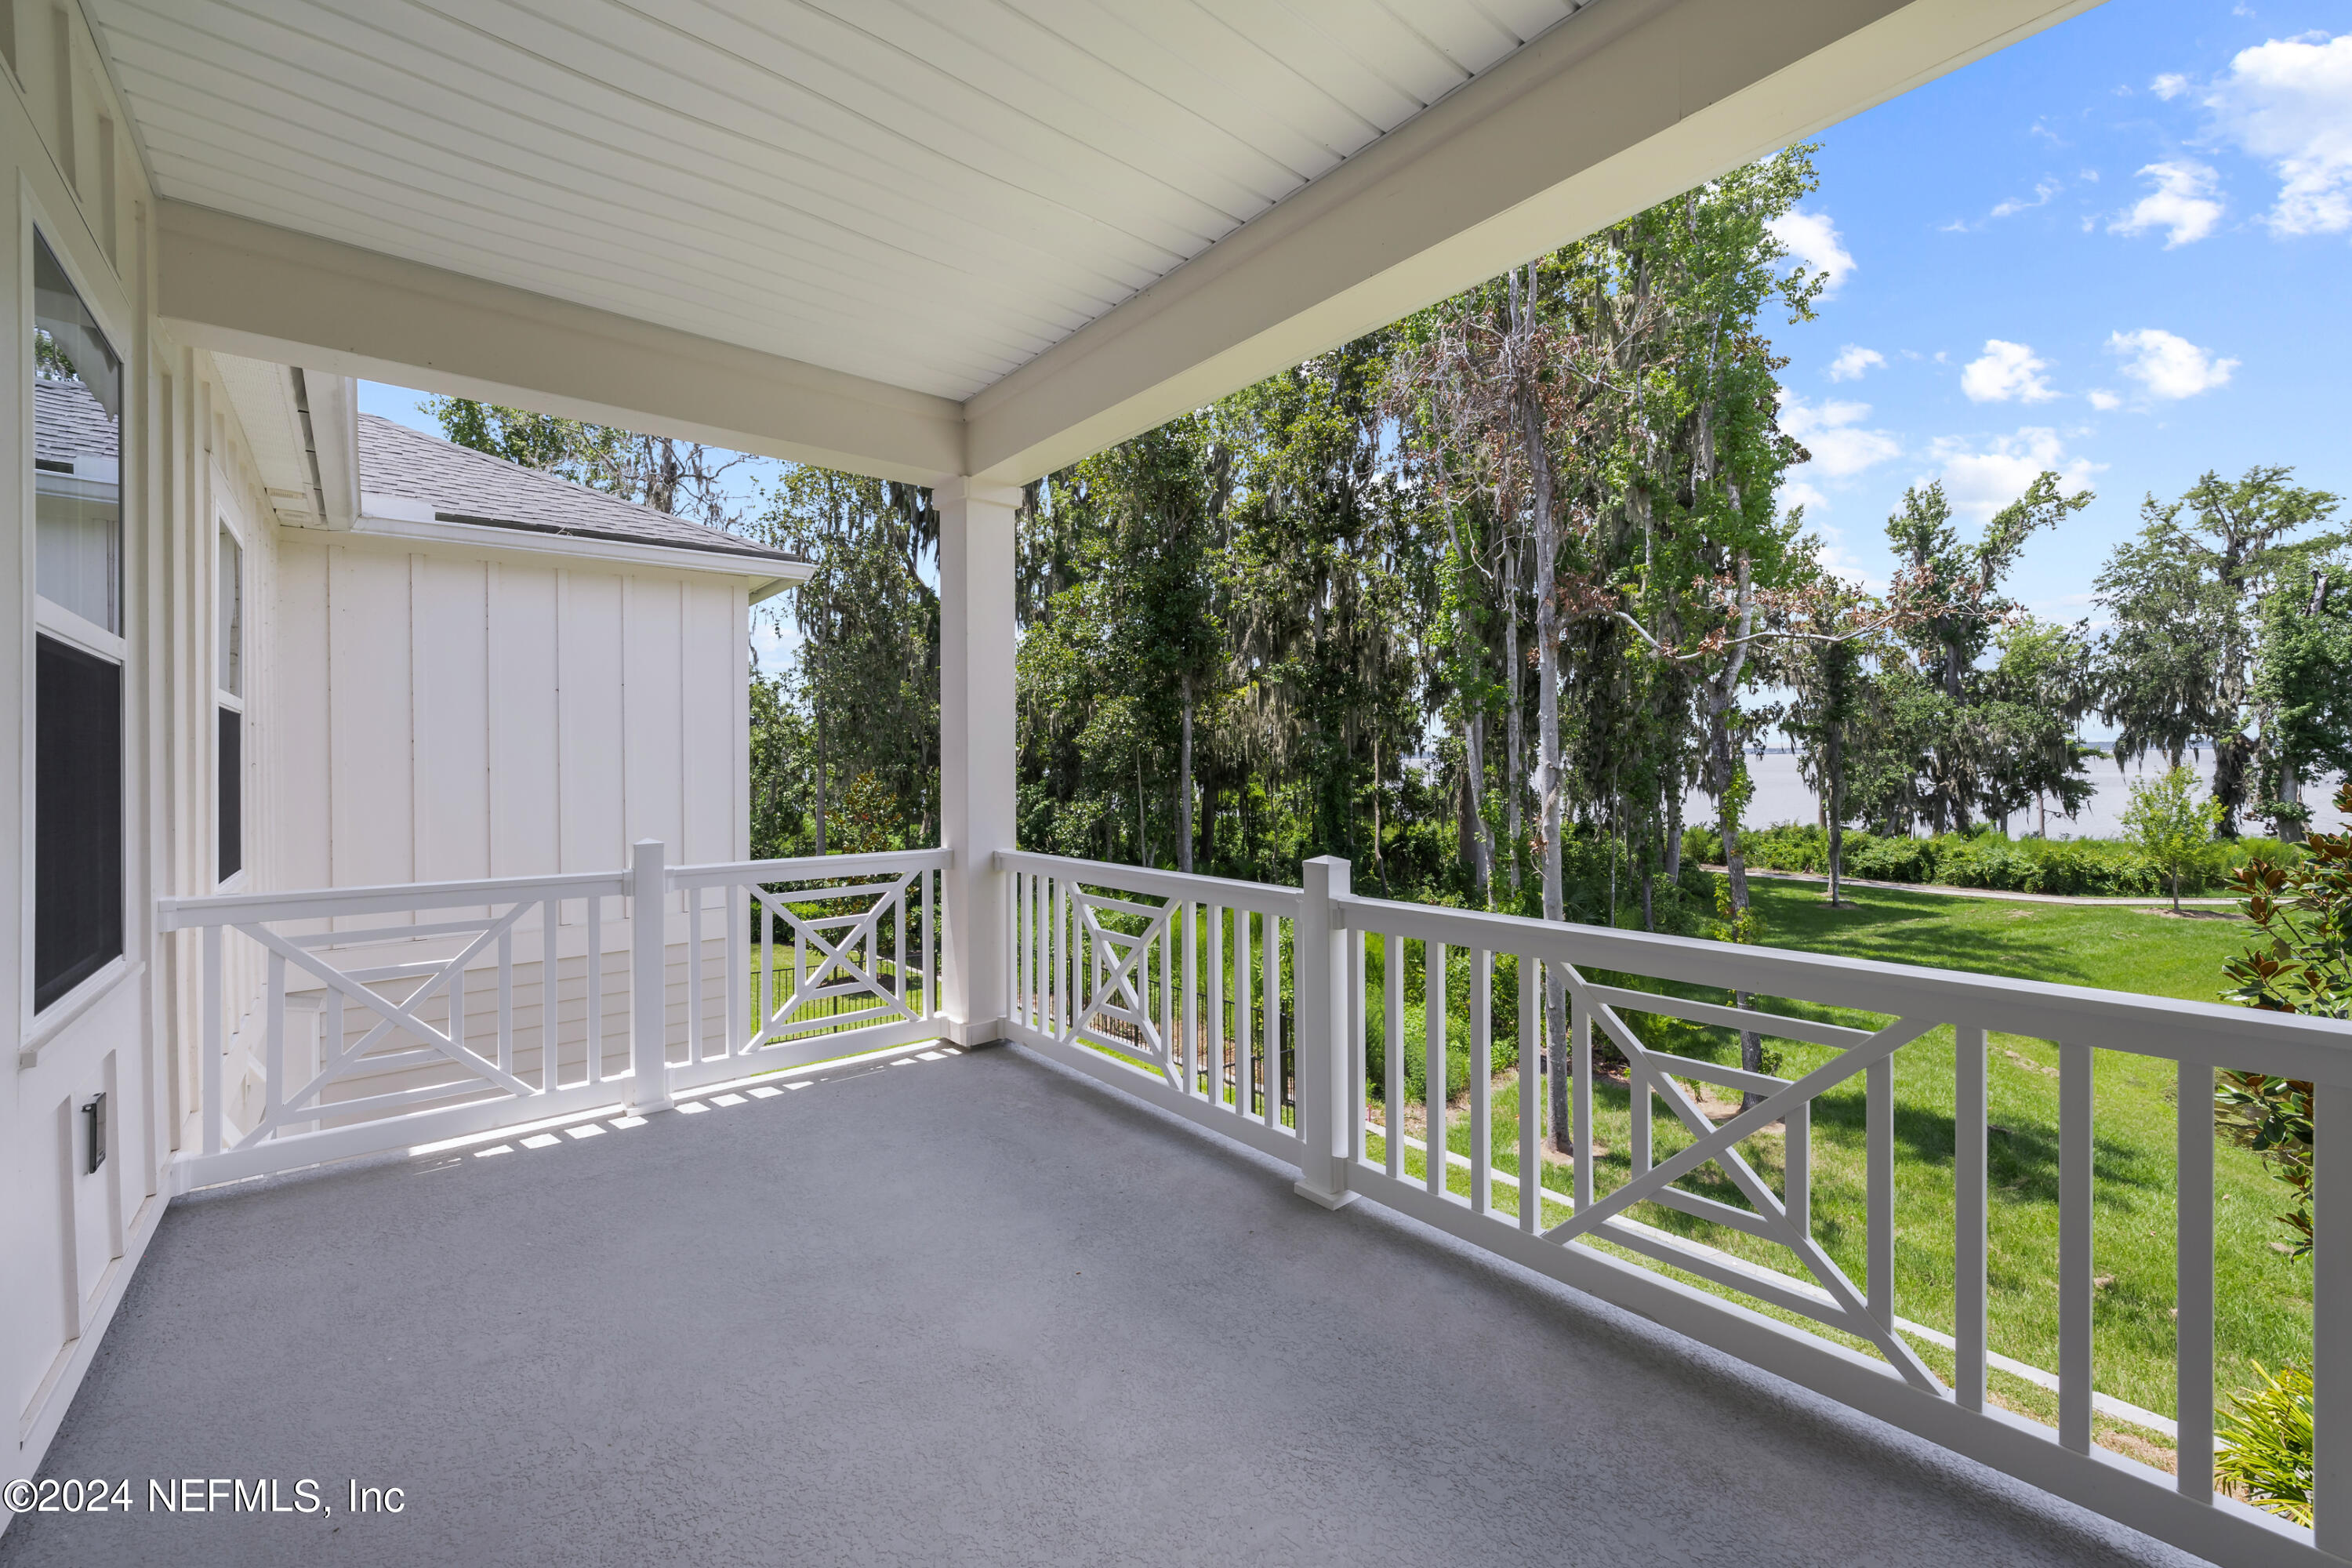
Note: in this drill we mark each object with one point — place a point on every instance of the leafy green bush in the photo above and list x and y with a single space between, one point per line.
2093 867
2266 1433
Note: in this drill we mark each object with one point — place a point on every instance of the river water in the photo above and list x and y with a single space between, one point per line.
1783 797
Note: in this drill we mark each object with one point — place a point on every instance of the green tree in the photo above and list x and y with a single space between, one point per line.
2184 597
2167 823
2303 684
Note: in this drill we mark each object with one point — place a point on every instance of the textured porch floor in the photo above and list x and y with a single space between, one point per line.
970 1310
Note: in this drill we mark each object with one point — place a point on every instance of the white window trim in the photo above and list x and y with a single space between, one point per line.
231 701
34 1029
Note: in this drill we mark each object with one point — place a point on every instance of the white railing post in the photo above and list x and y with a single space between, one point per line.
648 978
1322 1053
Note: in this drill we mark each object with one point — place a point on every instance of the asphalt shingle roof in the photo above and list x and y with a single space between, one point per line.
462 485
68 424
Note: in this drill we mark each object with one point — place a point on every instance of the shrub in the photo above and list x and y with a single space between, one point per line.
2266 1430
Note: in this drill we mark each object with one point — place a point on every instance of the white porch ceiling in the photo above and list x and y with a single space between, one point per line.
923 193
929 237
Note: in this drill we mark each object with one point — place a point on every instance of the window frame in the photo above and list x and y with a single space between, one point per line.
42 617
227 700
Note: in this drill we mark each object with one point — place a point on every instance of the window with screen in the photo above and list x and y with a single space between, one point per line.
229 846
77 829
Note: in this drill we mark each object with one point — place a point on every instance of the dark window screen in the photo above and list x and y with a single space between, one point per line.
76 818
232 798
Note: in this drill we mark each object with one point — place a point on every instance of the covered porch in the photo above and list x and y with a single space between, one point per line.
947 1307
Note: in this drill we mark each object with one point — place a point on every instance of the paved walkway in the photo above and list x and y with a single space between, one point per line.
971 1311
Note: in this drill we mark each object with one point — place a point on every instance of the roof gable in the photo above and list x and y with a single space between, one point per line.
465 485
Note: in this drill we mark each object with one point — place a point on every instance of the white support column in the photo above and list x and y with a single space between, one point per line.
1324 1103
976 746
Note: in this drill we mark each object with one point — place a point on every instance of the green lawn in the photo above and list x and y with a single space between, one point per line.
2262 1296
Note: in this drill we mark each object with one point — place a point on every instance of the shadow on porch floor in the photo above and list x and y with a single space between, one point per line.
971 1309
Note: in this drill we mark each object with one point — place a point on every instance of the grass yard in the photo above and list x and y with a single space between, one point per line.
2262 1297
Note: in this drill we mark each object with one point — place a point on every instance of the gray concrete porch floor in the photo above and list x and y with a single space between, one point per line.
971 1311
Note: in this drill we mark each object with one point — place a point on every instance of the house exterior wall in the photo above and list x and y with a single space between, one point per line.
413 709
444 712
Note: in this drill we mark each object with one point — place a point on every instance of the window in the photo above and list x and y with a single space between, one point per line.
78 848
229 846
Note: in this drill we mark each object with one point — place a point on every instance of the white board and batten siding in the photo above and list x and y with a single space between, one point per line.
448 713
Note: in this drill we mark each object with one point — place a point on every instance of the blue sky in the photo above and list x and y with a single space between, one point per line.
2119 249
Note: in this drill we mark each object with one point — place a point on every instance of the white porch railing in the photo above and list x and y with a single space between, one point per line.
347 1021
1118 970
1130 976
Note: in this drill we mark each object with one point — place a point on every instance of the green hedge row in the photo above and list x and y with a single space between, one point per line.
2088 866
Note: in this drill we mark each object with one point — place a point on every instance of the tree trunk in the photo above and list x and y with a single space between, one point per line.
820 784
1513 738
1536 446
1184 784
1836 809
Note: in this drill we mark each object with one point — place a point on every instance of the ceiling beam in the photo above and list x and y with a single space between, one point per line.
242 286
1620 106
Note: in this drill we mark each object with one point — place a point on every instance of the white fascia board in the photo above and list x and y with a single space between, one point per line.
238 285
766 577
1620 106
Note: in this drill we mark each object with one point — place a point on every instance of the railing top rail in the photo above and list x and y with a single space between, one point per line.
809 867
323 904
2213 1033
1260 897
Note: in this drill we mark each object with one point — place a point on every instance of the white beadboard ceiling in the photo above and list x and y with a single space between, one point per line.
925 192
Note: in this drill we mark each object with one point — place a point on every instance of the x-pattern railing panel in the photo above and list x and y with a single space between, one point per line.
847 956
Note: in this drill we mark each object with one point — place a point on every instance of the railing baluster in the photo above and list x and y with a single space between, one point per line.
2193 1266
695 1041
458 1004
1354 1109
1532 1093
550 993
1482 1073
1270 955
214 1117
1244 1059
930 945
506 999
1878 1191
1580 1045
1393 1052
1191 1010
1433 1066
1968 1176
1639 1098
1023 964
2331 1317
1796 1168
739 967
273 1069
1214 1045
2074 1246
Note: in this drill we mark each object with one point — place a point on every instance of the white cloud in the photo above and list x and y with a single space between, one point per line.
1981 481
1839 562
2183 204
2166 365
2102 400
2289 101
1814 240
1796 493
1833 434
2042 190
1852 360
2006 371
2168 86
